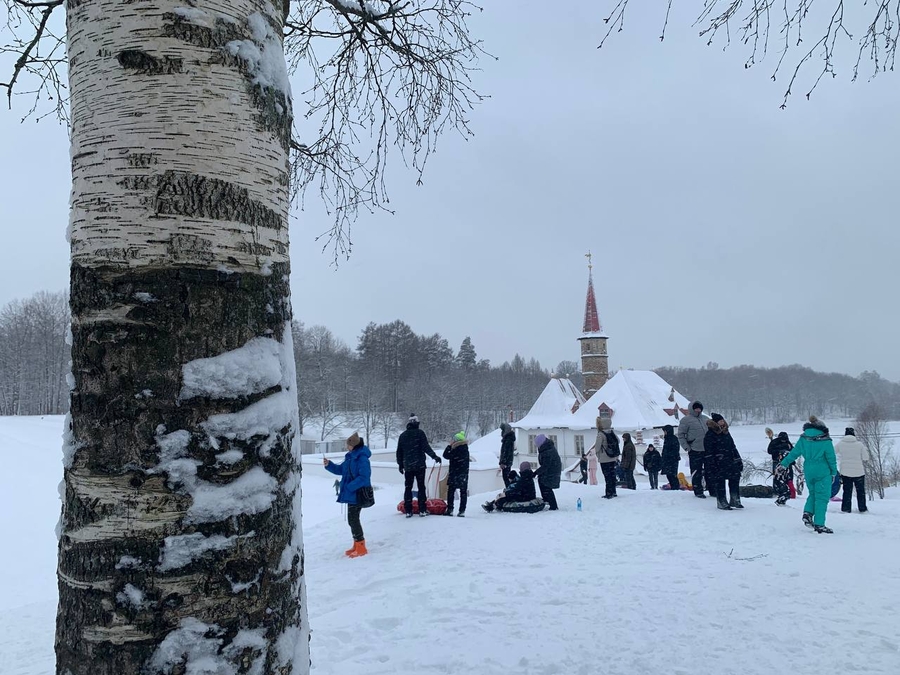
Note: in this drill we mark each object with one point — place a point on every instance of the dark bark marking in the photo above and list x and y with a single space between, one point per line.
273 107
147 64
111 363
179 193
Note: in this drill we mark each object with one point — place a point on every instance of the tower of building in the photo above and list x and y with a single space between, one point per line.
594 357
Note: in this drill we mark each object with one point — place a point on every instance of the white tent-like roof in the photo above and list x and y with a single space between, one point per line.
637 399
553 408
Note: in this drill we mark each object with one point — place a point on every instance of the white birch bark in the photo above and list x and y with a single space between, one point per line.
180 129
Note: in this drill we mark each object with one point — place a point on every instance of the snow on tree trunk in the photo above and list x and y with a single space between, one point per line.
180 547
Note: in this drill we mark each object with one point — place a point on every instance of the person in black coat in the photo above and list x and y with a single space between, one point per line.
652 463
671 456
583 465
458 478
779 448
521 490
549 471
507 450
725 462
412 446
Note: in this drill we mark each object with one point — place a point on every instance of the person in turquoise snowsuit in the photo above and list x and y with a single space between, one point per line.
820 468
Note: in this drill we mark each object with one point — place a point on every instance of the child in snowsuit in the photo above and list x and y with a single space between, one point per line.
779 448
458 479
652 462
819 467
522 490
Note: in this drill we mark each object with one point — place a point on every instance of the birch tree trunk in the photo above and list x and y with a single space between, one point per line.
180 547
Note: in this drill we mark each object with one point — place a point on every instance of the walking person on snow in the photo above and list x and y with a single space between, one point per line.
652 463
507 450
671 457
412 446
725 463
607 449
852 453
779 448
691 432
819 467
355 472
549 469
629 461
458 479
583 465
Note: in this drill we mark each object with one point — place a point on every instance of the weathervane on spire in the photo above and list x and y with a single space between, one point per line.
590 259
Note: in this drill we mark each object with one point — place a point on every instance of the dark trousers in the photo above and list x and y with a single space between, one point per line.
629 479
419 477
609 477
734 486
697 462
463 497
860 483
654 479
673 481
548 496
356 530
583 475
504 471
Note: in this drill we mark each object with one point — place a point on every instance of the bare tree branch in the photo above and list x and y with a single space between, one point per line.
39 51
398 73
757 22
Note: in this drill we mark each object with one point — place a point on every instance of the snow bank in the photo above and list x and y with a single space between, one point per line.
250 369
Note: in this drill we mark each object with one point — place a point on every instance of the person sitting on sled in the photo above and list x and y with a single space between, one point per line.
522 490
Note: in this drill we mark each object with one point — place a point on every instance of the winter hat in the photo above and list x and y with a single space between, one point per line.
354 440
412 419
783 434
697 404
524 466
461 436
716 417
668 429
849 431
505 428
539 440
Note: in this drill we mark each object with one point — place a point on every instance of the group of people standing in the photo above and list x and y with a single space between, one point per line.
712 455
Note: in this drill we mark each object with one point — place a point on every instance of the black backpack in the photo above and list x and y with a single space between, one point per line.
612 444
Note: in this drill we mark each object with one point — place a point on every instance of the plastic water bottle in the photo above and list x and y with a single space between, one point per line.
578 504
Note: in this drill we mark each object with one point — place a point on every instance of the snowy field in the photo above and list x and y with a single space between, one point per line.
652 582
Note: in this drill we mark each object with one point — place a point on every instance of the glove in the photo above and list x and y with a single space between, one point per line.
780 471
438 460
400 469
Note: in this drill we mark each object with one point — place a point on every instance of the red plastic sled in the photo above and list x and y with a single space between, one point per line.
436 507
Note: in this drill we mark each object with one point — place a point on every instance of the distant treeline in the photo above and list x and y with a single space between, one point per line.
393 371
785 394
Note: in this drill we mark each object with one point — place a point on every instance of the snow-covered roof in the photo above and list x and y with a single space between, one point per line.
639 399
554 406
486 450
593 334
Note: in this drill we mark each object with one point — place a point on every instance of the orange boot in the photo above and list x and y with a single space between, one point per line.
350 550
359 549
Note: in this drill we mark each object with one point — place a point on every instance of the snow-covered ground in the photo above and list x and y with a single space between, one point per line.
651 582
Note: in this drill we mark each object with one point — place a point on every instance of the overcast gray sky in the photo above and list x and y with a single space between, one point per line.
724 228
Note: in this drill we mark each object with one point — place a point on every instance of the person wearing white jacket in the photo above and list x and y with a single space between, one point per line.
852 453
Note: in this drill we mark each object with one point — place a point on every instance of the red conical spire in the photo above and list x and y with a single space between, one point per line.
591 316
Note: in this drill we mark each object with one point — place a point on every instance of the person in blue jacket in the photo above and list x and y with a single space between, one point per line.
355 472
819 467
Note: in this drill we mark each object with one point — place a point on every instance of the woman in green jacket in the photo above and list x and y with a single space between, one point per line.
820 468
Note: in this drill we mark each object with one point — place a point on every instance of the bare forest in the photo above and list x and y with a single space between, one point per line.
392 370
